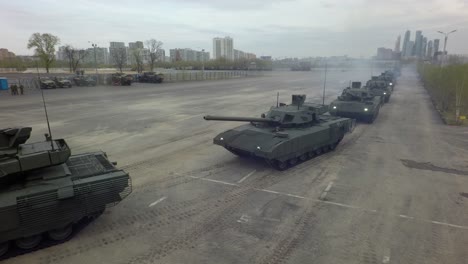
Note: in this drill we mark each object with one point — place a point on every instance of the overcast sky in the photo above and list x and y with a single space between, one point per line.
292 28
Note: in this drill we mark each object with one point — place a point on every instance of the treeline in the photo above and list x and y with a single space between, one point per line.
448 88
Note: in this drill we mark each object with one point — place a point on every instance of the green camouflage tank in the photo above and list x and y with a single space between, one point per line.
285 135
45 191
356 103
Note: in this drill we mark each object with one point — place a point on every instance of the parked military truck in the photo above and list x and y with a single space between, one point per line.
62 82
121 79
47 83
45 191
356 103
151 77
285 135
84 81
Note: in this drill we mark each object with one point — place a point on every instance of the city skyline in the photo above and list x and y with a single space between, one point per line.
279 28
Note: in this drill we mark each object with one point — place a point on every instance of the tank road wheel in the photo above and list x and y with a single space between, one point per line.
311 154
4 246
281 165
293 161
28 242
96 214
60 234
318 151
303 157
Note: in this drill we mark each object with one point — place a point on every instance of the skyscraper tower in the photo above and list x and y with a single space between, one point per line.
397 45
405 44
429 54
418 44
436 46
223 48
423 49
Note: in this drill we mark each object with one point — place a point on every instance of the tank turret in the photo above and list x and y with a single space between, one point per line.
298 113
18 157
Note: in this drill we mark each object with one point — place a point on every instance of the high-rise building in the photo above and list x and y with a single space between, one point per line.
418 43
60 55
409 49
5 54
397 45
406 40
223 48
424 47
115 48
429 53
436 46
102 56
384 54
188 55
135 45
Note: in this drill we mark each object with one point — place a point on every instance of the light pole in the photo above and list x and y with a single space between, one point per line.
94 45
203 62
446 37
325 82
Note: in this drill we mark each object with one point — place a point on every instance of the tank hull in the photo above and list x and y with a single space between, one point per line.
59 196
287 145
362 111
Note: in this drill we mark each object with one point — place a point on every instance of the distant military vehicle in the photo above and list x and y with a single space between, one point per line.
62 82
119 78
151 77
285 135
388 78
45 191
356 103
47 83
378 87
84 81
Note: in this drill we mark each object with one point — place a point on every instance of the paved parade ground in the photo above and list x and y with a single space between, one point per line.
395 191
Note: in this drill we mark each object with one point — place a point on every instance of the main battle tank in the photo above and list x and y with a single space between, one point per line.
285 135
356 103
388 77
45 191
379 88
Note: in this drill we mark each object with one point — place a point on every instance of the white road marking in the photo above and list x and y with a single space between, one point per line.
447 224
268 191
386 257
211 180
334 203
246 176
405 216
243 219
325 192
158 201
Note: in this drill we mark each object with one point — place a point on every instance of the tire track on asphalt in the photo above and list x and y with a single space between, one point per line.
218 213
221 216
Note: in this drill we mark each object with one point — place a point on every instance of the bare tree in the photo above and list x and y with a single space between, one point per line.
74 56
155 52
119 57
138 56
44 45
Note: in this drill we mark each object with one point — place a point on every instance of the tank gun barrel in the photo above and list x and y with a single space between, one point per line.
239 119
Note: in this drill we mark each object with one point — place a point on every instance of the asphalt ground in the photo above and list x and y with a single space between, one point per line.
395 191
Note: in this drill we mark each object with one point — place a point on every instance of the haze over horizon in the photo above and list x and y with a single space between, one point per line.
280 28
